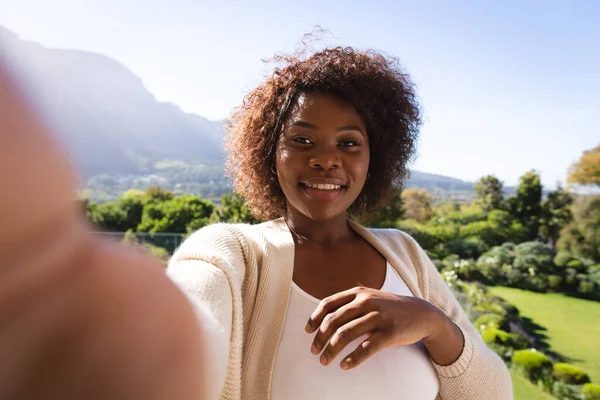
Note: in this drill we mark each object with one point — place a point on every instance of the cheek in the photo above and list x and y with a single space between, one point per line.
283 164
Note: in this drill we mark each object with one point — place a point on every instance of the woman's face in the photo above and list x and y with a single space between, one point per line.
322 157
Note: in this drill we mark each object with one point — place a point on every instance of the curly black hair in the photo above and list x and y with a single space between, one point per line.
375 85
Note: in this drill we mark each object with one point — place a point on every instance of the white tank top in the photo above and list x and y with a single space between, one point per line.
403 372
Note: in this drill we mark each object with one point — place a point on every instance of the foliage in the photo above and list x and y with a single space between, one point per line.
469 247
494 335
571 374
581 237
526 205
565 391
586 171
180 214
118 216
490 320
389 214
555 283
233 210
562 258
533 364
488 193
591 391
556 214
418 204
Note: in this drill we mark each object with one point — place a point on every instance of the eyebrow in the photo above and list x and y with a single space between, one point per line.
342 129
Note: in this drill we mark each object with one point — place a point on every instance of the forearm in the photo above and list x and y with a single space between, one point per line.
206 288
446 342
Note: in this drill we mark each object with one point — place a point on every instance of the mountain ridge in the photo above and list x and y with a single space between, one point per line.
121 137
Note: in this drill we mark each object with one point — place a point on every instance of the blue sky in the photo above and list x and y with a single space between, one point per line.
506 86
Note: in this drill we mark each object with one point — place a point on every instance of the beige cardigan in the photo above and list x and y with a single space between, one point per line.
239 277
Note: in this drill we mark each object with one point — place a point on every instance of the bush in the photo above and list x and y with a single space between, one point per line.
486 321
493 335
591 391
562 258
555 283
533 364
586 287
568 373
576 265
519 341
533 257
469 247
565 391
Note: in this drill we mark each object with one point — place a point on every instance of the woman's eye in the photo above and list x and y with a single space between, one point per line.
301 140
350 143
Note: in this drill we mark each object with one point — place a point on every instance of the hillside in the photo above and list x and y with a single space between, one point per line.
121 137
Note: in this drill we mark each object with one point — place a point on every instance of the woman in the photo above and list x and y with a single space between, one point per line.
311 304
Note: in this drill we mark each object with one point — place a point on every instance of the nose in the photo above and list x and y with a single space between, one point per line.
326 160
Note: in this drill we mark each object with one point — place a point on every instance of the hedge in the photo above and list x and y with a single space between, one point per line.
568 373
534 364
591 391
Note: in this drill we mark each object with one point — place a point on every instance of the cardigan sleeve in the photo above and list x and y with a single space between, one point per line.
209 267
478 372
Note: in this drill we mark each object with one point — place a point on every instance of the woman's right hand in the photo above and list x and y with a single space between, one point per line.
79 317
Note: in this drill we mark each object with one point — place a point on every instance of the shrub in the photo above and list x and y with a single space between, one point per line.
555 283
469 247
586 287
466 270
533 364
493 335
519 341
565 391
533 258
576 265
568 373
486 321
537 283
562 258
594 274
591 391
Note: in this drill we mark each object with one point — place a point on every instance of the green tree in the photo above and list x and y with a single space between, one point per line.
488 193
233 209
418 204
586 171
581 237
155 193
388 215
556 214
180 214
526 206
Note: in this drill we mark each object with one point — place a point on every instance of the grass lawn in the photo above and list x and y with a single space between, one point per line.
525 390
572 326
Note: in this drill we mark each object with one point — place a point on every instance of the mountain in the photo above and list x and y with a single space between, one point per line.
121 137
106 117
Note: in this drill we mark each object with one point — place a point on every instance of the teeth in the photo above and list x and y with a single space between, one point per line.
323 186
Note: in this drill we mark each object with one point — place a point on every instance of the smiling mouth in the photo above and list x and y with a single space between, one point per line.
323 191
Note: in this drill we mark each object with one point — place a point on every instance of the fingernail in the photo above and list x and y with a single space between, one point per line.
308 327
345 364
314 350
323 359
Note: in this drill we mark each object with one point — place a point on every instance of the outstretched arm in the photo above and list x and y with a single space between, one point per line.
79 317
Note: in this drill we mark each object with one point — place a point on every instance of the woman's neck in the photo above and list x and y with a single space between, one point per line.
329 233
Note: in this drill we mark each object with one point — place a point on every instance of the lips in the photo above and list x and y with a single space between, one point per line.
323 188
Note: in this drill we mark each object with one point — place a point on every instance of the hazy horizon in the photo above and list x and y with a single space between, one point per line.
505 87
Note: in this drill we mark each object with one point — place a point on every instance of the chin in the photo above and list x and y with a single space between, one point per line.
323 215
